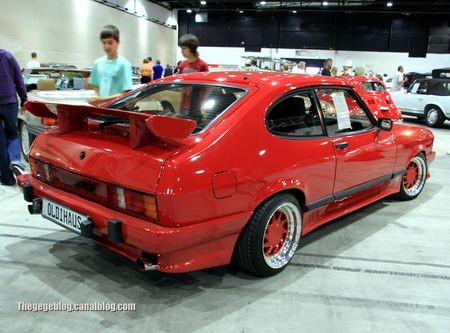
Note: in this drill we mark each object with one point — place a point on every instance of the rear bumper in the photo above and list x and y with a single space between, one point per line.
176 250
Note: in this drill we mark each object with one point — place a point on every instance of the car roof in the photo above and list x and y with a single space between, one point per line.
261 79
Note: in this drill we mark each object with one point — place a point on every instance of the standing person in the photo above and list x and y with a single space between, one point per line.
146 71
33 63
11 84
189 45
326 71
168 71
157 70
300 68
334 71
177 69
111 73
398 81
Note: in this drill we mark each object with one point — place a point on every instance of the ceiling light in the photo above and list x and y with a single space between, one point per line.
294 12
189 11
241 12
262 3
325 3
203 3
389 4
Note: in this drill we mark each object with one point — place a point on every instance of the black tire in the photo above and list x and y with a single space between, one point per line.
414 178
253 252
434 117
23 135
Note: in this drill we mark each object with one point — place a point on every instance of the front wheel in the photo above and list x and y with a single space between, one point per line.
434 116
270 239
414 178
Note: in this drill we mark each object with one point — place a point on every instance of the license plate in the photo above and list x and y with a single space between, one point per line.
62 215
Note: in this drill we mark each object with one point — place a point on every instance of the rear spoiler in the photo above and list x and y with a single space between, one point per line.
144 127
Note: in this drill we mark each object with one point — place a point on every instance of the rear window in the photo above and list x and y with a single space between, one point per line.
202 103
372 86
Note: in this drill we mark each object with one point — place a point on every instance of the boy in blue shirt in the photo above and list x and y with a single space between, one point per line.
111 73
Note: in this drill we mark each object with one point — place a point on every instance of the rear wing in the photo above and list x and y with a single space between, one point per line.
144 128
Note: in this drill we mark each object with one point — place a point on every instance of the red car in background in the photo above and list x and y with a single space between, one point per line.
376 96
238 167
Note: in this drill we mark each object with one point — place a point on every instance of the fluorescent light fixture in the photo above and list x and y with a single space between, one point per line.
189 11
241 12
294 12
389 4
203 3
262 3
325 3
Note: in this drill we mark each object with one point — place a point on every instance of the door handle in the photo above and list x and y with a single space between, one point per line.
341 145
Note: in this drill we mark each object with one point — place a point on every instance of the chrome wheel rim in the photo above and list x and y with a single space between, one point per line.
25 139
281 235
415 176
432 116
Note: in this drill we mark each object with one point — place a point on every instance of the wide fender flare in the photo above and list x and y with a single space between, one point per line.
277 186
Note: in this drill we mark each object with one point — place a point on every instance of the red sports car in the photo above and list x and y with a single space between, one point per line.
374 94
199 170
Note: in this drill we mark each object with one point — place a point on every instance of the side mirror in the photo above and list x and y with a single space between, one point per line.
385 124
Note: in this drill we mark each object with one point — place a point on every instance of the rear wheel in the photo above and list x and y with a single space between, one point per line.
434 116
270 239
414 178
25 139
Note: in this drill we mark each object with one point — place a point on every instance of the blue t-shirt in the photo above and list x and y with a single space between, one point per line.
111 76
157 72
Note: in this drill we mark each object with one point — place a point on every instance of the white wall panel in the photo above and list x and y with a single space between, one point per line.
67 31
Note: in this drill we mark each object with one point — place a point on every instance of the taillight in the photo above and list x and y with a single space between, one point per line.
48 121
133 201
116 197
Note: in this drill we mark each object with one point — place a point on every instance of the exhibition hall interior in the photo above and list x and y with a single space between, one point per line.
225 166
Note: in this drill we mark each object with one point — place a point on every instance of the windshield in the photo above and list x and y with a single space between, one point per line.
202 103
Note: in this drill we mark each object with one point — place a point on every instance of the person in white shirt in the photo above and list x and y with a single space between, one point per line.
33 63
397 82
300 68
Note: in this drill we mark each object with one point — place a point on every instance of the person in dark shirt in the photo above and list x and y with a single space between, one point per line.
177 69
168 71
326 71
157 70
11 84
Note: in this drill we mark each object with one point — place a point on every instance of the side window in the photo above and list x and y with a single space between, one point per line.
295 116
422 88
342 112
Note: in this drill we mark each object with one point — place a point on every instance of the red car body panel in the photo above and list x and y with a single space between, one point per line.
380 103
208 185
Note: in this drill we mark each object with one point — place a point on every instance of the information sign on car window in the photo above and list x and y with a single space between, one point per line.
342 112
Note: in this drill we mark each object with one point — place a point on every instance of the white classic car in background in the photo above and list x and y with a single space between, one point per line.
427 99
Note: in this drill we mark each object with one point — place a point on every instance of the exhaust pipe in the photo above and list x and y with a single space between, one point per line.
145 265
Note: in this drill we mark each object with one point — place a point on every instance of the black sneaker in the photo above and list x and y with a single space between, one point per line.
17 169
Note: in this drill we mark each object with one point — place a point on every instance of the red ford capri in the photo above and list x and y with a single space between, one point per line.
200 170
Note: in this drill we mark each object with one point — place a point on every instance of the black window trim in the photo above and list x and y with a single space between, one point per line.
310 90
358 99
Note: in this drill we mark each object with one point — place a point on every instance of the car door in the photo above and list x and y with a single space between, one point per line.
306 153
365 155
414 100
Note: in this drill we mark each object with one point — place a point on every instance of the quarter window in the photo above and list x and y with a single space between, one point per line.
295 116
342 112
